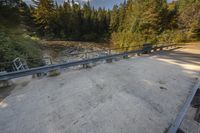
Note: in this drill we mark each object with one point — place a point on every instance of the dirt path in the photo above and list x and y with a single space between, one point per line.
137 95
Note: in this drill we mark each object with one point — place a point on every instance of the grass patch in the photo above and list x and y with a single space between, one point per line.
54 73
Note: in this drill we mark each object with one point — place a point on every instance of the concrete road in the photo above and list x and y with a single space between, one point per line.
137 95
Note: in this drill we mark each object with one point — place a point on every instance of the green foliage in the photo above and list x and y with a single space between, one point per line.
172 36
114 21
189 18
54 73
70 21
43 15
27 18
14 40
131 23
9 14
142 22
126 39
152 21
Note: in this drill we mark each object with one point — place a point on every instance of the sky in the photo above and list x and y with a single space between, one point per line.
96 3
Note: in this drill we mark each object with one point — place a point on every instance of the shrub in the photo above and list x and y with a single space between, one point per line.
54 73
14 42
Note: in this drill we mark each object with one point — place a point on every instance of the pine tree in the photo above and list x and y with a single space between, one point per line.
44 10
143 21
150 22
9 12
26 17
114 20
189 18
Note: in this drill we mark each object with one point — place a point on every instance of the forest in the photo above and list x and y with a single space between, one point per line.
131 23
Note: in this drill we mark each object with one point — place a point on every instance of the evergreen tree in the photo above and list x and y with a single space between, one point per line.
114 20
14 41
130 23
9 11
189 18
26 17
150 23
70 21
44 10
142 21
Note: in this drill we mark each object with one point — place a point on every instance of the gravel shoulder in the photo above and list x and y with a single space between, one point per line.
139 94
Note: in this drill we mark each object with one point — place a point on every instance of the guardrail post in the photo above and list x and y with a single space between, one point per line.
109 60
86 65
126 55
109 51
155 49
50 60
39 75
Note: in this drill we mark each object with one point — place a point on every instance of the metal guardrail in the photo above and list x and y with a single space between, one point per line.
17 74
8 65
175 126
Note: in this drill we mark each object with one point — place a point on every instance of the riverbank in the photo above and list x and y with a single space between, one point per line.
63 51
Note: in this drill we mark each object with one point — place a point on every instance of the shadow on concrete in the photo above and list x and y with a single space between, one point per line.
5 91
180 56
